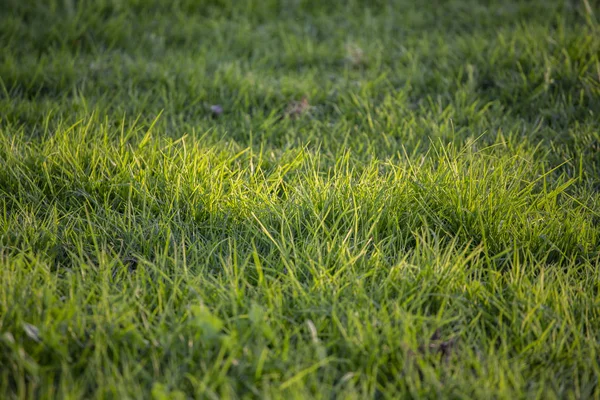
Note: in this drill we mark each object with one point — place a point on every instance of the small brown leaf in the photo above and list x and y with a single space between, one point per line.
438 346
445 348
297 108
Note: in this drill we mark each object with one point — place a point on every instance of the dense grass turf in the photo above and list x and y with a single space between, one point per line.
425 224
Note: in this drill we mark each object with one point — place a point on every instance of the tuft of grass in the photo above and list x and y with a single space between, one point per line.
175 224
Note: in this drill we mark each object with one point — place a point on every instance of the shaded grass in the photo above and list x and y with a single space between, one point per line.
440 191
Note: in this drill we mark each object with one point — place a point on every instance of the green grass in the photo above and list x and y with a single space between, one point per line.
428 228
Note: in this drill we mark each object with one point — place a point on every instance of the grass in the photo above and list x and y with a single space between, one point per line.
425 224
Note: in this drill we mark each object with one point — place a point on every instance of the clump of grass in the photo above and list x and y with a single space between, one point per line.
432 230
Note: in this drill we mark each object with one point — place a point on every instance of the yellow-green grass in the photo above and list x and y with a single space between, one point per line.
428 227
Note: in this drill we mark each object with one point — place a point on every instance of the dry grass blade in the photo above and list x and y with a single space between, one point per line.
297 109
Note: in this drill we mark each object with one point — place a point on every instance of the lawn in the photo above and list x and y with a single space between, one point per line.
299 199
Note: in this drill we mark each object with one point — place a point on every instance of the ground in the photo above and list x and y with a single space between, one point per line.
299 199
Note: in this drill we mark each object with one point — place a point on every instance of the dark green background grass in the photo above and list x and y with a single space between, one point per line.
428 227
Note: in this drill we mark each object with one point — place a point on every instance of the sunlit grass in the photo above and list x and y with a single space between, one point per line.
299 199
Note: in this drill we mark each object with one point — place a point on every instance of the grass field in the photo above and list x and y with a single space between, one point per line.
299 199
